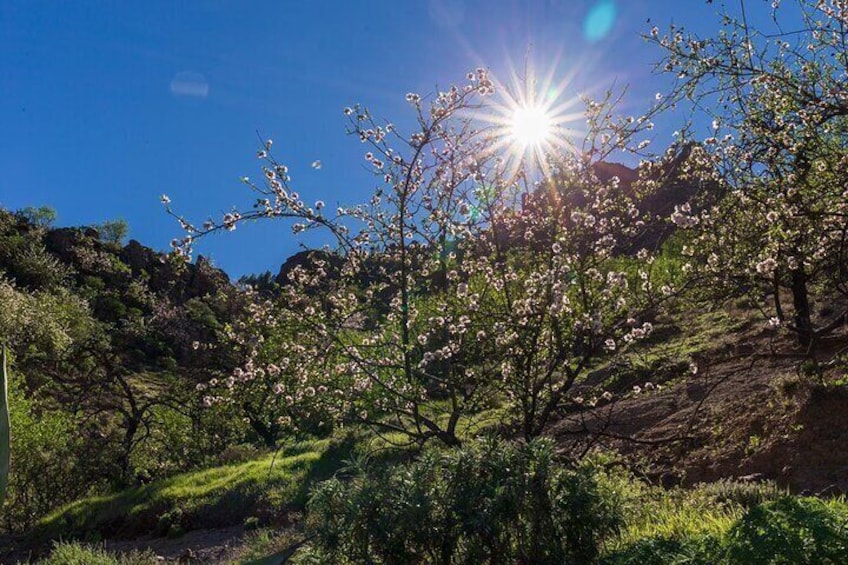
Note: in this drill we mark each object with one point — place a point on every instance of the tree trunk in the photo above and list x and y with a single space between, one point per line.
267 434
131 425
803 316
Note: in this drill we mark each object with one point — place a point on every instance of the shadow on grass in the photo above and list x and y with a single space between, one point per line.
210 498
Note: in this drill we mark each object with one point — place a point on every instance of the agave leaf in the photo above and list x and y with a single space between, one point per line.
5 448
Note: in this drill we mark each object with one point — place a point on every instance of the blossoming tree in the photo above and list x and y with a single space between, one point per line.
462 284
778 98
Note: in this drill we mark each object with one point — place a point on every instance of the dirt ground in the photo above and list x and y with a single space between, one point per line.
198 546
754 409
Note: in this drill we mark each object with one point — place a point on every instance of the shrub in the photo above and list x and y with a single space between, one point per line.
488 501
790 530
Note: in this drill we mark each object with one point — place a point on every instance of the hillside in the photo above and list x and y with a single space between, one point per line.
159 408
104 340
747 421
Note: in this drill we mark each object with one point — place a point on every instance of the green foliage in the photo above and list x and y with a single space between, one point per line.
488 501
171 523
5 439
47 460
41 323
113 231
654 513
42 217
695 549
181 439
29 263
66 553
790 531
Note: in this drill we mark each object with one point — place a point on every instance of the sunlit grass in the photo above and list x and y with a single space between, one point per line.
213 497
678 514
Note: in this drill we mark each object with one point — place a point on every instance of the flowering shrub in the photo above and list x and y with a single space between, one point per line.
774 153
459 285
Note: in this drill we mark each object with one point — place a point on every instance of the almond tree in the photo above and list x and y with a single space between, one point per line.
778 99
462 284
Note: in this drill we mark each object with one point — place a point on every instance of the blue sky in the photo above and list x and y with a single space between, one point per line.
107 105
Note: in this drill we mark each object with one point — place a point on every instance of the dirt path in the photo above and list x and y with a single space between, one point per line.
199 546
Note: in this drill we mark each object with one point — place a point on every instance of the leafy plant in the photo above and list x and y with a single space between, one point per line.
790 531
489 501
5 433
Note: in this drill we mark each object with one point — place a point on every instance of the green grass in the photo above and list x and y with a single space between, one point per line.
228 495
216 497
726 522
677 514
71 553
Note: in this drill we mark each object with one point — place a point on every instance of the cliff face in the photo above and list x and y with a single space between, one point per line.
655 189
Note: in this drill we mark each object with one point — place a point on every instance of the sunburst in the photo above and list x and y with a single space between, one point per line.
532 121
530 126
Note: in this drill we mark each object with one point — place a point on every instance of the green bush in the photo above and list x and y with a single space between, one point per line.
171 523
790 531
489 502
45 463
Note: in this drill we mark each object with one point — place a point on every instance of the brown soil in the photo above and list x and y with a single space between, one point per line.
198 546
750 412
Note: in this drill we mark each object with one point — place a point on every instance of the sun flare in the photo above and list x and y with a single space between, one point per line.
530 126
532 121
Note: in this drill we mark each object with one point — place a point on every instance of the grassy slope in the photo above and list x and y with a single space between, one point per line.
228 495
662 526
215 497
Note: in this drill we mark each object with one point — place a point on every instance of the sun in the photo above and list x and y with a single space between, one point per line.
530 126
531 122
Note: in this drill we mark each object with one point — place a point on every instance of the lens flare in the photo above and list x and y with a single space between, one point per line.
600 20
